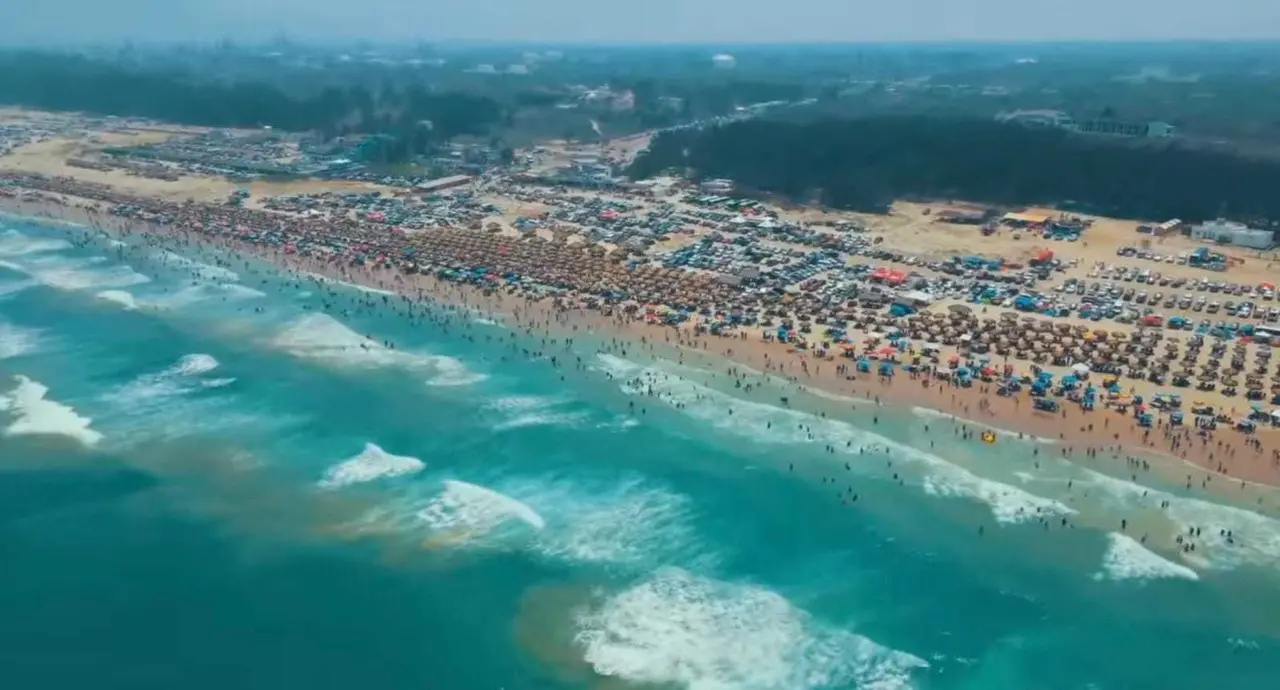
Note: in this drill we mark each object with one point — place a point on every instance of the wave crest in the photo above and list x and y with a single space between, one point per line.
370 464
1128 559
679 629
34 414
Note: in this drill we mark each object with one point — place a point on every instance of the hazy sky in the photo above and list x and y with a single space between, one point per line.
667 21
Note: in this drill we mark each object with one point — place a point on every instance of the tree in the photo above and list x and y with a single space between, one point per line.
867 163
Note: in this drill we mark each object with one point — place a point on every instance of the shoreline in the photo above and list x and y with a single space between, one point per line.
836 383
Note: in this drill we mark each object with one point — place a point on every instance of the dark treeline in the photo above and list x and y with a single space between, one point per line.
865 164
55 81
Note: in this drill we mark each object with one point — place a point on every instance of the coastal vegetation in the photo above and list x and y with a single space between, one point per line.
65 82
867 163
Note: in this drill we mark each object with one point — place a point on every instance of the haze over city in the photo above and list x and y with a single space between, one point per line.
657 21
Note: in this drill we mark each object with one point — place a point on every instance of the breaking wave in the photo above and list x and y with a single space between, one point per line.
635 523
78 274
1254 538
460 514
199 269
120 297
324 338
520 411
1127 559
205 292
371 463
34 414
680 630
16 244
177 379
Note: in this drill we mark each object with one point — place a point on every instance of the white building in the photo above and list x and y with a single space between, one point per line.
720 186
1037 118
1230 232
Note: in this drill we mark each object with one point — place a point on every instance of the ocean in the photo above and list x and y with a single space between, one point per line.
214 474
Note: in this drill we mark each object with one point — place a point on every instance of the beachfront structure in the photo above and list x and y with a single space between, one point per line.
1055 119
1027 219
720 186
1225 231
1141 130
444 183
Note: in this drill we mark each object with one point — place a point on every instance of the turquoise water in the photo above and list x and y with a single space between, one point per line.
210 478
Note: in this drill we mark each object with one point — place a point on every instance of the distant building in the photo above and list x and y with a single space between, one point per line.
1230 232
1037 118
717 186
1057 119
444 183
1156 130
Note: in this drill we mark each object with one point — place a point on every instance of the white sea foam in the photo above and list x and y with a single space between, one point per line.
194 365
450 372
352 286
35 414
475 510
529 419
515 404
201 270
930 413
16 341
16 244
324 338
1127 559
37 259
371 463
80 274
460 514
1255 538
177 379
633 523
766 424
205 292
836 397
677 629
121 297
533 410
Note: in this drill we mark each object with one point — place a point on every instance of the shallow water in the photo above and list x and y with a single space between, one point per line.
214 475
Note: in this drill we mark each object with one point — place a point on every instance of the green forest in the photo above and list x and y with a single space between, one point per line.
54 81
865 164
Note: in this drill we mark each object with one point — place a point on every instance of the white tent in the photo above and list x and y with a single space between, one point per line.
1080 369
